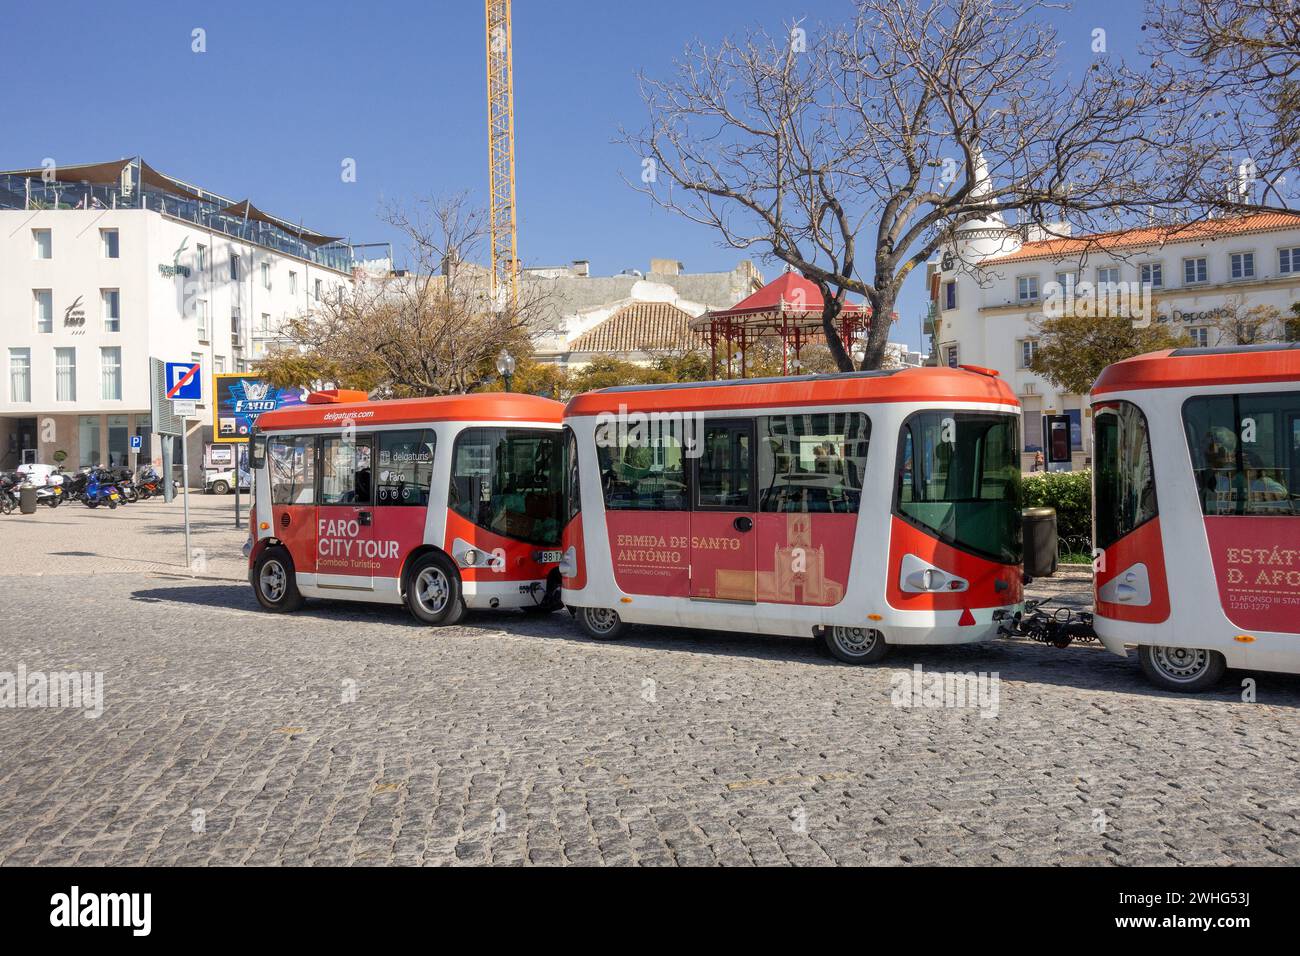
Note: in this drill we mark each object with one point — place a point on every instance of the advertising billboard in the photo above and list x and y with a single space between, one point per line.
238 399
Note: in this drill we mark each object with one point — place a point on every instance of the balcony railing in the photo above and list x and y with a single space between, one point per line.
23 192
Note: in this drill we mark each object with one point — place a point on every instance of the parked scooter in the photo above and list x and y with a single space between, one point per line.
125 482
9 493
149 483
100 490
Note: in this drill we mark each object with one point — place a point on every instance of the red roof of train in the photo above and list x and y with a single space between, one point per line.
902 385
482 406
1183 368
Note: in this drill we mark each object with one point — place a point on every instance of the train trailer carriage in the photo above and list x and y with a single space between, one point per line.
441 503
865 509
1196 504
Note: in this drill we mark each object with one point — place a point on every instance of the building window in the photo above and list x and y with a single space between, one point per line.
108 241
950 356
42 244
1067 280
65 375
1242 265
950 295
1195 270
236 327
1028 349
88 439
266 275
1200 337
43 309
20 375
198 359
264 326
1153 275
201 258
234 267
1107 278
293 283
201 310
316 290
1288 260
110 301
1027 288
219 364
110 374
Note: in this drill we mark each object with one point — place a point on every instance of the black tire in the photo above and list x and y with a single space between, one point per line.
92 503
601 623
433 594
1188 670
220 488
53 501
274 581
855 645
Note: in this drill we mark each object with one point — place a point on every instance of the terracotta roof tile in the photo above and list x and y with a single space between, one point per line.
640 327
1152 236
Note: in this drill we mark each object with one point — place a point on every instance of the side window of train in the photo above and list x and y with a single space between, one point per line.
404 467
346 473
812 462
1245 452
572 494
644 469
292 462
1125 480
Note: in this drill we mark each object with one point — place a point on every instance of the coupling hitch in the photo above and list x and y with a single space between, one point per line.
1058 627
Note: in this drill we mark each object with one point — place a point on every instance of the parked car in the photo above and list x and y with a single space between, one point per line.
221 483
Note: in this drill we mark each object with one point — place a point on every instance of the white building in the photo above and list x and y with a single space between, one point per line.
106 265
988 294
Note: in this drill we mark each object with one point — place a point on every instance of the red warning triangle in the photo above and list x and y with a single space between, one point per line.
966 619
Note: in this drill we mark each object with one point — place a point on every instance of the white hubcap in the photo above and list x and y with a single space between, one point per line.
855 641
1181 663
431 590
602 619
273 580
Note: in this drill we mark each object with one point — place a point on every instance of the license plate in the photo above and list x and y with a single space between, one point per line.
115 497
58 491
549 557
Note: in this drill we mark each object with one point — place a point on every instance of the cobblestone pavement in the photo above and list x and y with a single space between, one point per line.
513 739
144 536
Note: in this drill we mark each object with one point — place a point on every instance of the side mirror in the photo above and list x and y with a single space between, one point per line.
257 456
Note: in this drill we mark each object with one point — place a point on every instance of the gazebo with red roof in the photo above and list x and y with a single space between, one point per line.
789 307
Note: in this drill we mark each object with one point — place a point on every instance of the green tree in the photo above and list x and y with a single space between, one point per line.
1073 349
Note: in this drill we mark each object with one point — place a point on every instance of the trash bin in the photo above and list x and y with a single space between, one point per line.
1039 526
27 499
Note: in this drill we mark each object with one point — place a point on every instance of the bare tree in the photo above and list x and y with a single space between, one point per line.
1236 65
434 330
853 155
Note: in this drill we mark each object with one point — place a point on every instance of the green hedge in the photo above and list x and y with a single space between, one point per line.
1070 493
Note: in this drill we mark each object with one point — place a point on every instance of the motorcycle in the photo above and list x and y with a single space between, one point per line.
9 493
100 490
149 483
125 482
74 485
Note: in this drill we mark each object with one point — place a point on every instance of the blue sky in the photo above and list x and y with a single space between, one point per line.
287 90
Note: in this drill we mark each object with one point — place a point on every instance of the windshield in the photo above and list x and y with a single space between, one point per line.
1124 481
959 479
510 481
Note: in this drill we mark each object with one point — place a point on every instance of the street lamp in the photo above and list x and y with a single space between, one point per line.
506 366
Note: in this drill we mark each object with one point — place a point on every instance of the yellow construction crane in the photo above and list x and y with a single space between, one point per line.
501 151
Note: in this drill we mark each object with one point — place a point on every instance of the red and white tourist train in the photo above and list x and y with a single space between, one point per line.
866 509
1196 505
441 503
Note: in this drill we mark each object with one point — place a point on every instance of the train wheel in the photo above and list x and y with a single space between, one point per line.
600 623
855 645
274 581
433 591
1186 669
